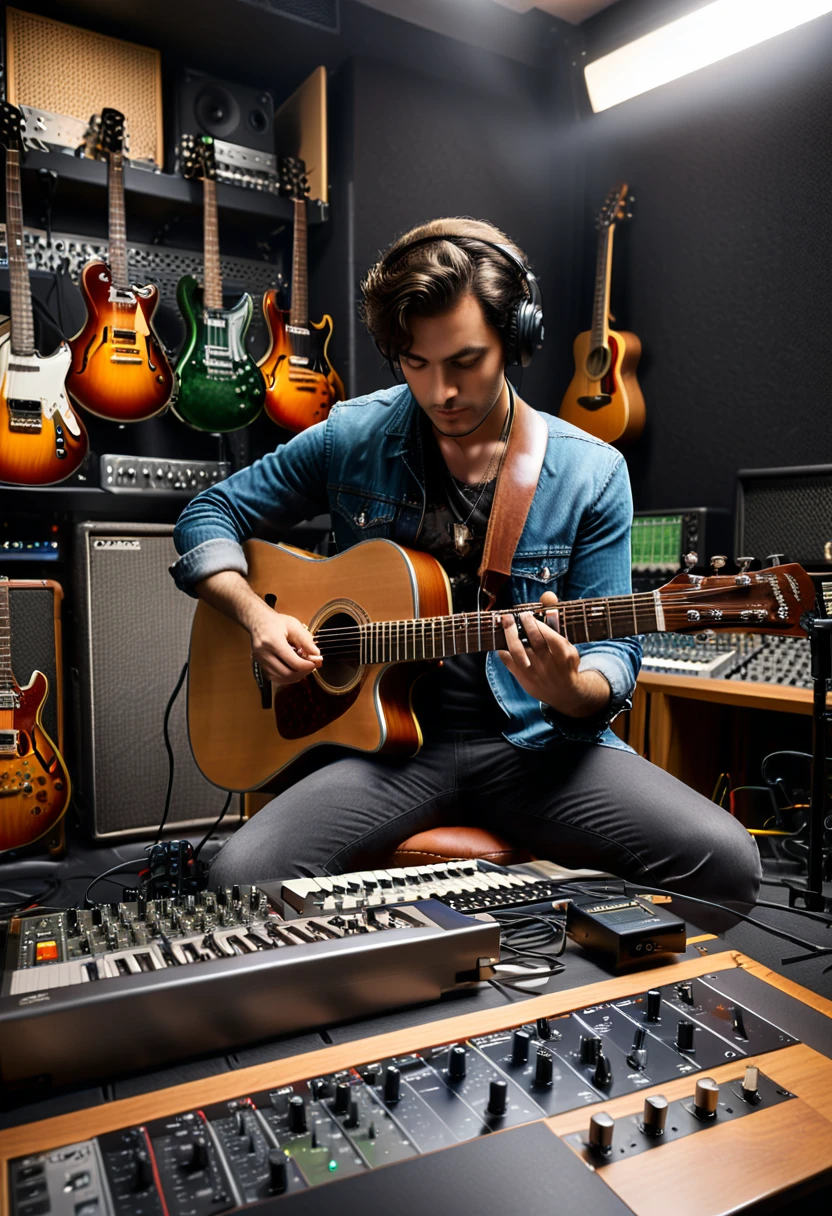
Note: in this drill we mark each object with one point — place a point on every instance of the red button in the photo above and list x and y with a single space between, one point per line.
46 952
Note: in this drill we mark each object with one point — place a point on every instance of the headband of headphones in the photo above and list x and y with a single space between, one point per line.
517 262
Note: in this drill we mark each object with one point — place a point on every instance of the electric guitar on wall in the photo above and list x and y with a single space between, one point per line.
604 397
301 384
119 369
378 612
34 783
219 384
41 438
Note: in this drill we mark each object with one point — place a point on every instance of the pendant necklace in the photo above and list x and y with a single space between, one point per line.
463 535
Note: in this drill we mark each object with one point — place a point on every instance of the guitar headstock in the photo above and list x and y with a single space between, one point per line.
758 601
196 157
11 127
108 134
292 180
615 207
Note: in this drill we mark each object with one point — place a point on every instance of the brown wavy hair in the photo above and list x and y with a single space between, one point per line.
432 278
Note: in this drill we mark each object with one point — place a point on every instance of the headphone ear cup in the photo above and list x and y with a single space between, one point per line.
512 336
528 324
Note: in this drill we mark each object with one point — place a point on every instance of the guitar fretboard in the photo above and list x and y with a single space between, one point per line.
22 327
441 637
118 225
212 287
601 300
7 682
299 311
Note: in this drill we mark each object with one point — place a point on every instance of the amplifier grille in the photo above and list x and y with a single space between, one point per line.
789 513
323 13
57 67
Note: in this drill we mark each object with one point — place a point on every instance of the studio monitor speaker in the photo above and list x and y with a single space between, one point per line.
786 510
133 634
234 113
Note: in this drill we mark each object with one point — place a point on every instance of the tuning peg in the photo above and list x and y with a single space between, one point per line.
718 561
743 563
690 560
628 214
774 559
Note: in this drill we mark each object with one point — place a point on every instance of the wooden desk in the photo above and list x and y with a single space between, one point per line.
670 725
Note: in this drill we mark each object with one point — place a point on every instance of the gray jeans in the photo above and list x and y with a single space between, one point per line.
581 805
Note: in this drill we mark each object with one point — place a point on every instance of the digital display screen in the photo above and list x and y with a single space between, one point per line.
656 542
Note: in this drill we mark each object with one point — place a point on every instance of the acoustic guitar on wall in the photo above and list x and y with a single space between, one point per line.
42 440
119 369
34 782
604 397
301 384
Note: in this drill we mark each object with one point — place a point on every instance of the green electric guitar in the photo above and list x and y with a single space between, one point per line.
220 386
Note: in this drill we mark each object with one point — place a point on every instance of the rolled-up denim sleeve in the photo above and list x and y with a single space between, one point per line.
601 566
285 487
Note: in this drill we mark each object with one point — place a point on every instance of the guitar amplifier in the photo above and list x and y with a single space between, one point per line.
788 511
35 612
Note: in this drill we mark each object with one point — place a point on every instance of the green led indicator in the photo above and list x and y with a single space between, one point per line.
333 1165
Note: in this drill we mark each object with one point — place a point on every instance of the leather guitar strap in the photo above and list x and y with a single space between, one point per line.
516 483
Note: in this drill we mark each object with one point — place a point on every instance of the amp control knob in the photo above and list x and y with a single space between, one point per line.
685 1033
706 1098
497 1098
520 1046
638 1052
655 1115
590 1048
392 1084
654 1005
602 1076
457 1062
278 1171
601 1128
543 1067
685 992
297 1114
342 1097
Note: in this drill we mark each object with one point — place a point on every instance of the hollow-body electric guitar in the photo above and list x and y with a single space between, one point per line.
301 384
42 441
34 783
119 369
219 386
604 397
378 613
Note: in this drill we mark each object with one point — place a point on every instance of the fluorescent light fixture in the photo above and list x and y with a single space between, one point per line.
705 36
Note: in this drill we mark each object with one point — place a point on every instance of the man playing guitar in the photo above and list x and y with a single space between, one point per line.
516 741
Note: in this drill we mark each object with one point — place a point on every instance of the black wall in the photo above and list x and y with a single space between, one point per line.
724 270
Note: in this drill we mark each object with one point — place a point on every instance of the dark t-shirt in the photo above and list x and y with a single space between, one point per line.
457 697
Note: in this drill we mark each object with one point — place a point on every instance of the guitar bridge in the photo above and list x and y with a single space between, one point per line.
595 403
25 416
8 742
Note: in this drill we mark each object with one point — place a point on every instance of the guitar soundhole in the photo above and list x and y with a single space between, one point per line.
598 362
338 642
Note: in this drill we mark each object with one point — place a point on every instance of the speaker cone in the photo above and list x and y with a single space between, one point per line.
217 111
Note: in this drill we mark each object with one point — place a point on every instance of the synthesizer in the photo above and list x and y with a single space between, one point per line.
211 972
664 1077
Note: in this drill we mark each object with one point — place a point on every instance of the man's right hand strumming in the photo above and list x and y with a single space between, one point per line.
283 647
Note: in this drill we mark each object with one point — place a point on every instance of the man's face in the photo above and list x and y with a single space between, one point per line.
455 366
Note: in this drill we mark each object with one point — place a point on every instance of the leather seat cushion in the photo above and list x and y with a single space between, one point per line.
426 848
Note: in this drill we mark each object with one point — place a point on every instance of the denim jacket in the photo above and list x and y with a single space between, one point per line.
364 465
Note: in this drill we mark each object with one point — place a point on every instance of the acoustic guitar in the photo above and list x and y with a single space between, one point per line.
301 384
379 613
34 782
219 386
604 397
119 369
42 441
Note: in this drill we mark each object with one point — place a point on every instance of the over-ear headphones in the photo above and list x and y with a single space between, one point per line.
524 332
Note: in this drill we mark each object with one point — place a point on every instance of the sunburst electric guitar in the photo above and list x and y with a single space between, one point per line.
34 783
301 384
119 369
378 613
604 397
219 386
42 440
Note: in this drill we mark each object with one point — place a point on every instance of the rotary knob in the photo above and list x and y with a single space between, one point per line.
638 1052
543 1067
497 1098
685 993
602 1076
654 1005
278 1171
685 1033
193 1157
601 1128
544 1029
590 1048
342 1097
520 1041
143 1178
457 1062
750 1084
392 1084
654 1116
297 1114
705 1098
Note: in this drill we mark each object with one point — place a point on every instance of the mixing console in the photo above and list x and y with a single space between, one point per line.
282 1140
756 658
212 972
